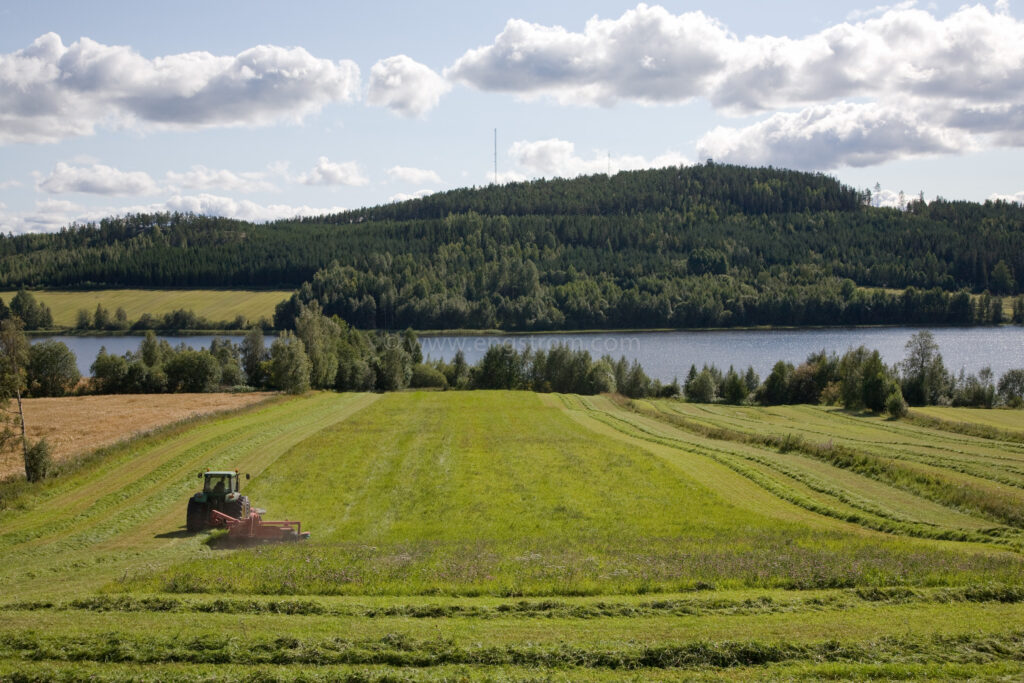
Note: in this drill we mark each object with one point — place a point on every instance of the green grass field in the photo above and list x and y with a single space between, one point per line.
212 304
516 536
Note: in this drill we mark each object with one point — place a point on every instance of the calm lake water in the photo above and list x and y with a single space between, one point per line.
665 355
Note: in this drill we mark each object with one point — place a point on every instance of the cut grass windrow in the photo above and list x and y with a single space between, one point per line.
397 649
548 609
869 516
960 495
998 461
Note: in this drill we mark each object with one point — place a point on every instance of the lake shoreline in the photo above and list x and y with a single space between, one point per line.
665 354
460 332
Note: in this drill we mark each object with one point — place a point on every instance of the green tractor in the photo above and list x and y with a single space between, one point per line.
221 493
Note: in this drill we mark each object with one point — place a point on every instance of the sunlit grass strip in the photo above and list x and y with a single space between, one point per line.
982 431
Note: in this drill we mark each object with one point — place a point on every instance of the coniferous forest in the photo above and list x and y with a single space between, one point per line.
704 246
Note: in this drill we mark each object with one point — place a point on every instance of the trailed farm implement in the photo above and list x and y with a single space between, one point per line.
221 505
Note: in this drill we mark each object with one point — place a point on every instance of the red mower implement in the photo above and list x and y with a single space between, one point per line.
253 528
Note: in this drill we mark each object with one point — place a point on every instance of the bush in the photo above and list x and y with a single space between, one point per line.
38 461
193 371
52 369
289 364
703 388
894 403
427 377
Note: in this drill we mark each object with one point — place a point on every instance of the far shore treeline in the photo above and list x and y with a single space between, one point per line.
709 245
327 353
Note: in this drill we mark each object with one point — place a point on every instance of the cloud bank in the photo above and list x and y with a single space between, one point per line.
52 215
830 136
96 179
415 176
921 84
202 178
651 55
555 157
49 91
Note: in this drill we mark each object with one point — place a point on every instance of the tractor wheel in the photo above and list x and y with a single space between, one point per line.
239 509
197 518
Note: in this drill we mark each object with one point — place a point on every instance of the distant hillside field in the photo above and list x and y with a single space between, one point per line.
212 304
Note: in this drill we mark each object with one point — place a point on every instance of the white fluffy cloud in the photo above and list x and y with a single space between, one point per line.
405 86
203 178
213 205
923 84
860 14
406 196
651 55
327 172
647 54
49 91
52 215
1017 197
48 215
556 157
96 179
415 176
830 136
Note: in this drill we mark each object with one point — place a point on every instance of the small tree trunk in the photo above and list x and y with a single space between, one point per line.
24 439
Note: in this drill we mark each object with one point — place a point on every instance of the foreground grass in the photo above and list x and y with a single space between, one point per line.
514 537
213 304
911 639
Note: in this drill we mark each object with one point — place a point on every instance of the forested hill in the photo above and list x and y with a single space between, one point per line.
710 189
708 245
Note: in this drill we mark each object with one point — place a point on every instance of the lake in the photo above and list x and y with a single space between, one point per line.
665 355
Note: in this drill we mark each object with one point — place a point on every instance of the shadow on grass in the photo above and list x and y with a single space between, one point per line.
180 533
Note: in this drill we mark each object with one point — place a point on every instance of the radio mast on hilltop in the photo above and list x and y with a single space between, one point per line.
495 156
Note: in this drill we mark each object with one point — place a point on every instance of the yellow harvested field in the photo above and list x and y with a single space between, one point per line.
214 304
78 424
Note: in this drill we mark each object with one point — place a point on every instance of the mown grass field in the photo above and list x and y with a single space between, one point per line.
213 304
516 536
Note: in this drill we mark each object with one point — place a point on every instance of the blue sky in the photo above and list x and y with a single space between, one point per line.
261 110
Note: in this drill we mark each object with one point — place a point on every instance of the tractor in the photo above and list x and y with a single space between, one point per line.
220 492
221 505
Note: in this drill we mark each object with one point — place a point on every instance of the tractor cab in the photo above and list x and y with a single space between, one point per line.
221 492
220 483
